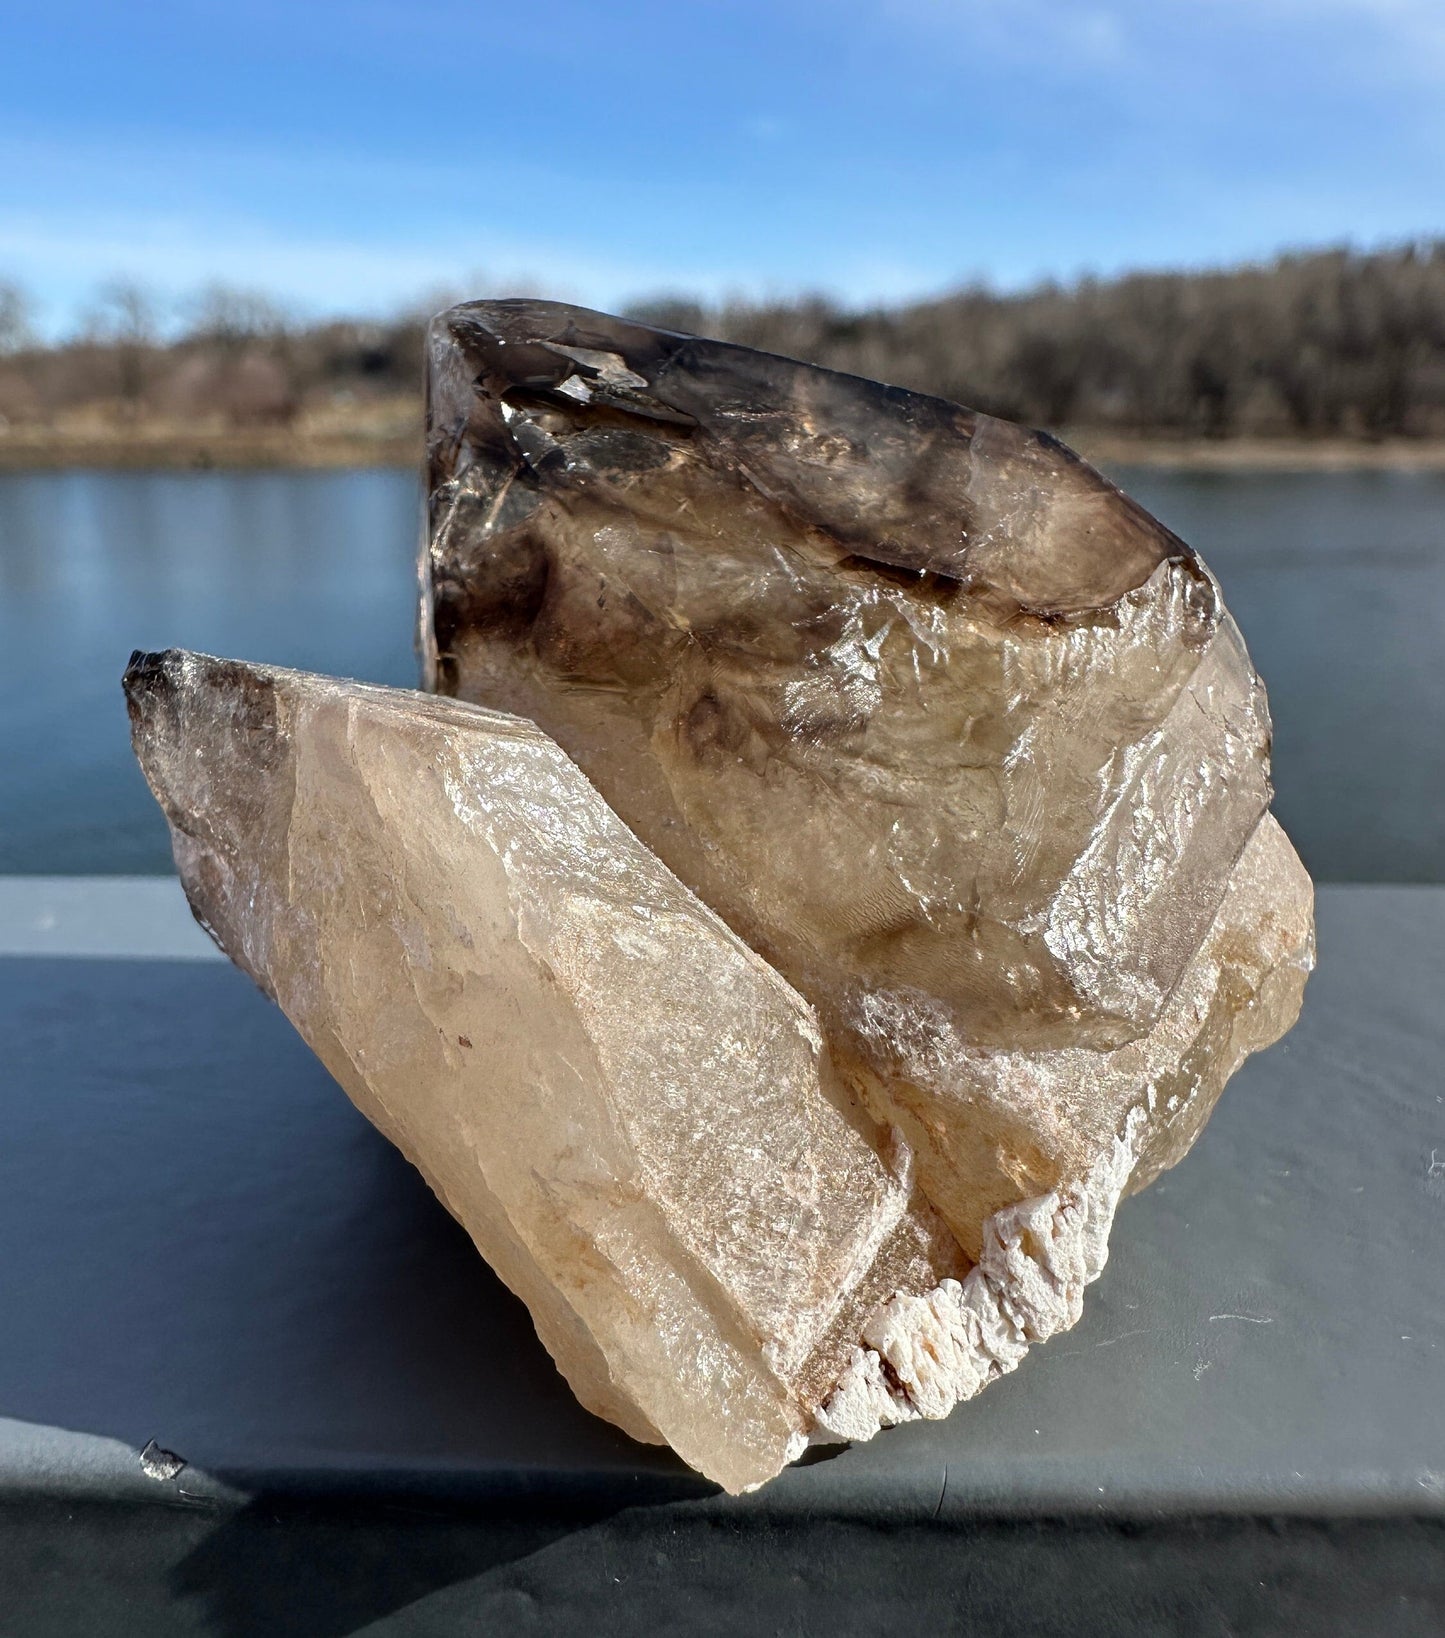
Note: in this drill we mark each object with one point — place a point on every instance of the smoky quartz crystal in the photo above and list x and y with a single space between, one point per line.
832 865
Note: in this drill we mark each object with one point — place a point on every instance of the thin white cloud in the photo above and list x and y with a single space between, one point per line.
1058 36
319 274
68 257
1403 37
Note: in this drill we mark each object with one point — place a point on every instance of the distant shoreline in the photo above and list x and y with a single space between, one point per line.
1261 454
168 447
29 449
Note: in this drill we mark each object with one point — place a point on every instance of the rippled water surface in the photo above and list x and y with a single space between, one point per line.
1338 580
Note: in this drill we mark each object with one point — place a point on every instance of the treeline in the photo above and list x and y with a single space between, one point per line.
228 355
1331 343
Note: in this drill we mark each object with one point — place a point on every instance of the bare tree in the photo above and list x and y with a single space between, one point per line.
16 328
1332 341
232 317
125 319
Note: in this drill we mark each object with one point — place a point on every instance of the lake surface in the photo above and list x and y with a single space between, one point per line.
1338 580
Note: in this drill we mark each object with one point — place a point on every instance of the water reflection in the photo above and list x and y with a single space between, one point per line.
1337 578
310 569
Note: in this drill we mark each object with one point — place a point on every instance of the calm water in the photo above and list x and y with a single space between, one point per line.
1338 580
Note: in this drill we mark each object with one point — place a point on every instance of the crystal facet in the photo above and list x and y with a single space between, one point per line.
947 728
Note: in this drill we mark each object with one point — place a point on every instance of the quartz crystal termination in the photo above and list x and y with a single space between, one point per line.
632 1115
950 731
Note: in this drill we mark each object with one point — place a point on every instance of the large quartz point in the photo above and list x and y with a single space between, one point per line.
946 728
630 1112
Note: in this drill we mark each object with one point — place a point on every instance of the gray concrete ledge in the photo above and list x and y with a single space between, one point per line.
205 1245
120 917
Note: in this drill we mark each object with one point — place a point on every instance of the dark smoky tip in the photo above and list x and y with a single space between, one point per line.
143 671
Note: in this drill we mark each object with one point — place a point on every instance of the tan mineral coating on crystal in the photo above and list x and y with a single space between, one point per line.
630 1113
944 726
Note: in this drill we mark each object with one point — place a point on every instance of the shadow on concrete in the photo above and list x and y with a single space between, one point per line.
282 1569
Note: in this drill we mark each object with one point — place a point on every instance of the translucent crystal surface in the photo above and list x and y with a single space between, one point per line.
943 725
631 1113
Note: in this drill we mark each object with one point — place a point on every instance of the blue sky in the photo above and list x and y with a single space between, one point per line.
358 157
